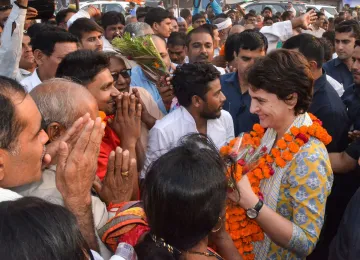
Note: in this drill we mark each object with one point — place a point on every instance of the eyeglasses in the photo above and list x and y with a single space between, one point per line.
5 7
124 73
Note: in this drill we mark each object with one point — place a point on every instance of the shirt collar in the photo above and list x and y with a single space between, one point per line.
187 116
337 62
320 82
233 79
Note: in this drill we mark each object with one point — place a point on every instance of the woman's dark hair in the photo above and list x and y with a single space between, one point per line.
184 196
193 80
283 73
34 229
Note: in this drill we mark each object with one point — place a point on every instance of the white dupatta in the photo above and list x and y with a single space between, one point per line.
271 187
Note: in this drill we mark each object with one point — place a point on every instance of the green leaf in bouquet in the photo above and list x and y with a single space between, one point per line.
143 51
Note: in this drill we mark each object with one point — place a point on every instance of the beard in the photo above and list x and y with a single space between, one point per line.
210 115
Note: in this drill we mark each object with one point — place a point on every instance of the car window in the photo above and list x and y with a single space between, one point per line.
112 7
275 8
330 10
257 7
94 5
300 8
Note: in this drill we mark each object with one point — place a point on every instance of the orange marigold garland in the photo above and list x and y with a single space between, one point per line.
243 230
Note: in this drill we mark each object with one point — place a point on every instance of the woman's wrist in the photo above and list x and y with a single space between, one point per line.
248 199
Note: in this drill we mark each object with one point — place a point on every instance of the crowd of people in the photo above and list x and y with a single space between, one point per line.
99 159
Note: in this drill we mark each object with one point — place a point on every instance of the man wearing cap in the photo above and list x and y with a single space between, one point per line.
224 26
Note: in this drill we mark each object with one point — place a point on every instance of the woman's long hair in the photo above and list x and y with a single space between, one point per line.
184 196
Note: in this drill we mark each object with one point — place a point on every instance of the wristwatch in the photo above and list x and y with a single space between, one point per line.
252 213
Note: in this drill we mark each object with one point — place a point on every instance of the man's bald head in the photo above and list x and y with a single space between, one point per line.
236 29
62 101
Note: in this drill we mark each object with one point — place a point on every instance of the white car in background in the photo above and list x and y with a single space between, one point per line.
106 6
330 11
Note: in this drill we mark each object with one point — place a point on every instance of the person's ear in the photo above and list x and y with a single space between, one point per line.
155 27
3 155
313 65
39 57
55 131
196 101
292 100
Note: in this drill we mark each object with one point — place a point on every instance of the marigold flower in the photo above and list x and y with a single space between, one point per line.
281 144
288 137
275 152
294 131
303 129
256 141
287 156
253 134
269 159
225 150
293 147
258 128
280 162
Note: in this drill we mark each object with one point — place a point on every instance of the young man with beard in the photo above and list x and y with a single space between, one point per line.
91 69
113 24
89 34
249 45
200 46
176 47
346 33
197 87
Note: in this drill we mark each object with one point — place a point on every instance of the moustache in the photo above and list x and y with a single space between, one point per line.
203 56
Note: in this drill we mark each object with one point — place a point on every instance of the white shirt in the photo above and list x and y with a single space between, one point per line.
339 88
6 195
168 131
317 33
31 82
280 31
11 44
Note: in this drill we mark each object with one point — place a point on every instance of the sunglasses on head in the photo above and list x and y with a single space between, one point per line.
5 7
124 73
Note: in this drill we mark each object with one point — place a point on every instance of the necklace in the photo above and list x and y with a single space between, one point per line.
208 254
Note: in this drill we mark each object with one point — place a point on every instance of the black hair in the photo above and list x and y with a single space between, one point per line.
357 43
185 13
330 36
231 46
200 29
276 17
32 228
309 9
10 126
196 17
193 80
284 72
42 27
252 12
251 40
308 45
349 26
45 41
84 25
82 66
328 48
286 15
174 19
61 15
266 8
156 15
177 39
319 14
247 16
112 18
184 196
222 15
142 11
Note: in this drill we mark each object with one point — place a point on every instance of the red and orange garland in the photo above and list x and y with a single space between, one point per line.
243 230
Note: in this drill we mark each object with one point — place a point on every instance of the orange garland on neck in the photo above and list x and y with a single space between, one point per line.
243 230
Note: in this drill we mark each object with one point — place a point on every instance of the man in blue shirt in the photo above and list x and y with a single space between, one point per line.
250 45
163 95
345 35
351 97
